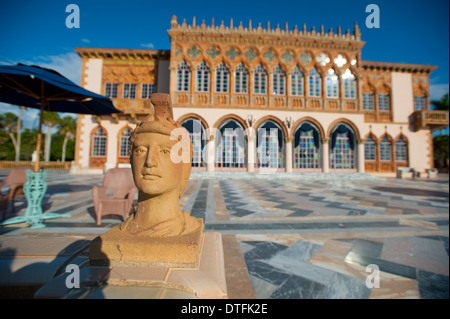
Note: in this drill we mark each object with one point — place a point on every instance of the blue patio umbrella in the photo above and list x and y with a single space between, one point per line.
46 90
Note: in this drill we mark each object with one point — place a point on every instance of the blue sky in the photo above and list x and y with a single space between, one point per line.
33 31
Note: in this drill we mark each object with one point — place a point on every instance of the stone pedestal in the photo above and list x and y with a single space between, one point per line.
206 280
118 248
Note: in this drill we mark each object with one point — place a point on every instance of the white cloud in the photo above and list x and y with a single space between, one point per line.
68 64
147 45
85 40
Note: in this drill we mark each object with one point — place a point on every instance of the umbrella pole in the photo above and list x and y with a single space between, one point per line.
39 137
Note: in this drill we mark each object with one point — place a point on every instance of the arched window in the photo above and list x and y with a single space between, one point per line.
296 82
332 82
349 85
202 83
197 134
401 150
269 145
260 80
183 77
370 153
230 145
99 143
385 149
306 147
383 102
342 148
278 81
368 101
241 79
125 143
222 78
314 83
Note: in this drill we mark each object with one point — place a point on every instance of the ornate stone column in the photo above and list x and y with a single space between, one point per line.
210 155
251 151
360 156
325 155
288 153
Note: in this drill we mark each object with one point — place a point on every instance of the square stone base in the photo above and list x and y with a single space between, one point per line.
119 248
205 280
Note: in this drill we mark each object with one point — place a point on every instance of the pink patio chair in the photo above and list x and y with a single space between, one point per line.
15 180
121 181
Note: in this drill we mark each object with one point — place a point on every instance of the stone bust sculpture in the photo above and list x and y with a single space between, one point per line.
160 181
158 231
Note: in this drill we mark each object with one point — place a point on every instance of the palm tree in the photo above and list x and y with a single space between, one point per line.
67 127
442 104
10 122
49 119
440 142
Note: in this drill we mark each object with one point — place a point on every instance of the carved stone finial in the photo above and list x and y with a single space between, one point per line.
356 31
174 22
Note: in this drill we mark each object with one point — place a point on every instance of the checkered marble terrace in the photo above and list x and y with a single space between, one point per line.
283 238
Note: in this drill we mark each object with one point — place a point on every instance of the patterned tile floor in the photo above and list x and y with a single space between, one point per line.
282 238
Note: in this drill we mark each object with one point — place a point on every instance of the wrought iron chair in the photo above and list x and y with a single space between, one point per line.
120 180
15 180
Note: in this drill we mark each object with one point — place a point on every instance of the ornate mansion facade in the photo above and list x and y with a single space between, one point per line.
256 98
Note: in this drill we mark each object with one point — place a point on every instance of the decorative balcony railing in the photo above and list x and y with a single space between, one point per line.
433 119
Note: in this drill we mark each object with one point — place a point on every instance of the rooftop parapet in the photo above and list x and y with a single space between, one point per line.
268 31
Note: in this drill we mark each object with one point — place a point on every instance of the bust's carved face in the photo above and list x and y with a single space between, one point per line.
154 172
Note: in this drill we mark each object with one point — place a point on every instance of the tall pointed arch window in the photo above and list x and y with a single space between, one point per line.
332 82
385 149
230 146
314 83
342 147
269 141
306 147
349 85
278 81
197 134
183 77
297 82
260 80
125 143
202 80
370 153
241 79
222 78
99 143
401 150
